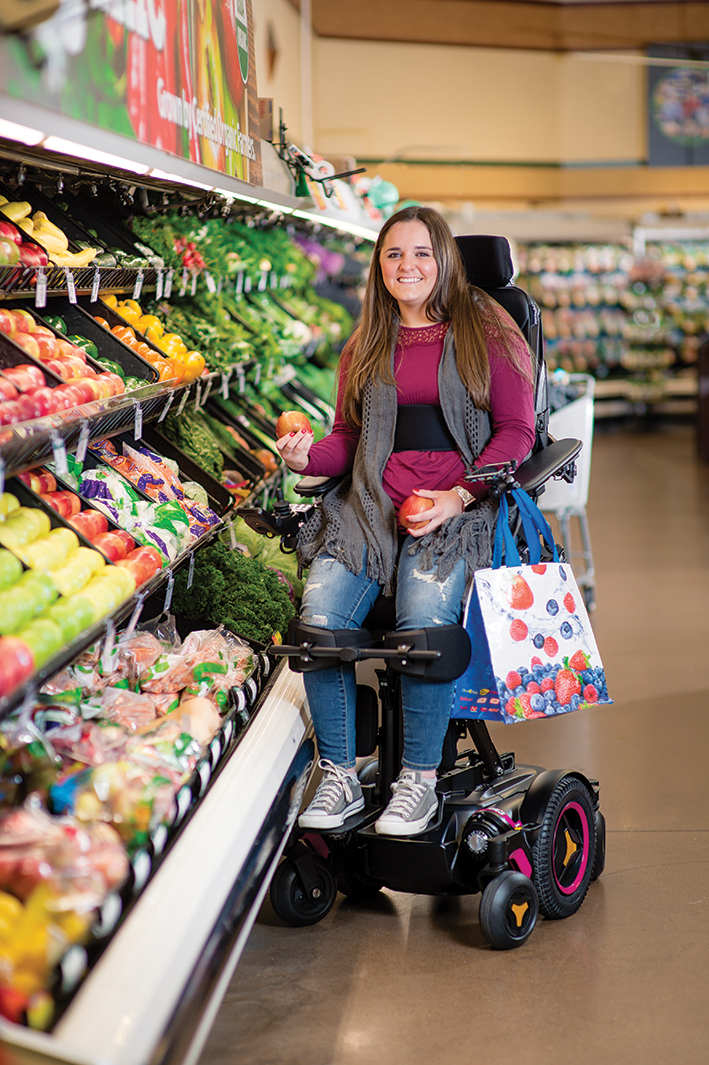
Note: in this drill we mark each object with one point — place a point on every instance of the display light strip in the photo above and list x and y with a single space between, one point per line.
23 134
94 155
34 138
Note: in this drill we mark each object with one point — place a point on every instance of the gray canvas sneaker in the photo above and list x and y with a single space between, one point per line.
338 796
413 805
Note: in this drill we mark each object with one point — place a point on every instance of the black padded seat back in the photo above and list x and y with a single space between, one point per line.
488 264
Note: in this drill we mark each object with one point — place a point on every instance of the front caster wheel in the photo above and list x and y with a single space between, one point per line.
289 899
508 910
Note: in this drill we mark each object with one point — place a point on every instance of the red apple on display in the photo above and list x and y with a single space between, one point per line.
412 506
10 412
24 321
8 325
10 232
33 255
47 344
62 401
27 343
44 399
57 367
29 407
25 377
291 421
7 389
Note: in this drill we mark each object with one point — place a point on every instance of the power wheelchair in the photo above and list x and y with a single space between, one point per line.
530 840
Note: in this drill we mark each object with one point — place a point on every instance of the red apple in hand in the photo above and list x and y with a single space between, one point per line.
291 421
413 505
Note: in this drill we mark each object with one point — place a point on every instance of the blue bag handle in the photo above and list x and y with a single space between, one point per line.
534 524
505 545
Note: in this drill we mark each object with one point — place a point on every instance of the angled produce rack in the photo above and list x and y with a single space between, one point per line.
139 974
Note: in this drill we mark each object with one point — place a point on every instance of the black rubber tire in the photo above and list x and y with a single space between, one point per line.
509 908
599 862
288 897
565 850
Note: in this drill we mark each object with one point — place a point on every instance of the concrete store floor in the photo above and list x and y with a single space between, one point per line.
409 979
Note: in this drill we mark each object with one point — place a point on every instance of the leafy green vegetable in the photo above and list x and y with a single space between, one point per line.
190 434
232 589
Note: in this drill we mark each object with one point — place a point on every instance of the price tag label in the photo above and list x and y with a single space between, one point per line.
257 374
198 396
134 618
207 390
274 279
181 405
242 379
226 378
190 571
167 406
96 285
262 281
168 591
40 294
193 288
239 287
159 282
138 424
70 284
232 536
2 476
83 442
138 286
168 284
59 449
220 282
247 284
209 281
107 653
183 282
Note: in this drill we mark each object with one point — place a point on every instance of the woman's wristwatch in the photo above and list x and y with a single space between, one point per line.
467 497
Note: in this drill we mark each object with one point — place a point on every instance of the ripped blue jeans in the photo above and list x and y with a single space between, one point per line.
334 598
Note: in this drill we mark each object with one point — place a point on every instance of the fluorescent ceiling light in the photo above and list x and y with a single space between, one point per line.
94 155
23 134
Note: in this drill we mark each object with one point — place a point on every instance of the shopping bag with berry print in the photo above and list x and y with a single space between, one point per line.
533 649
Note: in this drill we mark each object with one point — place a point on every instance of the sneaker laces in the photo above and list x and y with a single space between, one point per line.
335 780
406 795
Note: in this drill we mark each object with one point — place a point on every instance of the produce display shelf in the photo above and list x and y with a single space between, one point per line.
167 968
75 966
32 443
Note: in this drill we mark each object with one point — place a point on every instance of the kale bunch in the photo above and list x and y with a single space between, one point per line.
231 589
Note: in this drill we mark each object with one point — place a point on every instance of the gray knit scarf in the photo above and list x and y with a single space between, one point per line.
359 514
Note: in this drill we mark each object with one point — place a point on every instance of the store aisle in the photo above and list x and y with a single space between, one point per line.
409 979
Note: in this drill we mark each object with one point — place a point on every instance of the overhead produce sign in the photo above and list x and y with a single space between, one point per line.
176 74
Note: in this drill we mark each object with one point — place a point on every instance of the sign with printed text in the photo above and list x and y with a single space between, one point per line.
175 74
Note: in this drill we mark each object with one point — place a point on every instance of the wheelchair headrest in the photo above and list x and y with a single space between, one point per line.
487 260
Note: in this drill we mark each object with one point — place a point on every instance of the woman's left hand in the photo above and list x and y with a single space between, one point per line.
446 505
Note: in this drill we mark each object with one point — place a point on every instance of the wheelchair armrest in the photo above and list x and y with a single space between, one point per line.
552 459
316 486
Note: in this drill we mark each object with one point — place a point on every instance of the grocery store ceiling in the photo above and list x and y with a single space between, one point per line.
556 25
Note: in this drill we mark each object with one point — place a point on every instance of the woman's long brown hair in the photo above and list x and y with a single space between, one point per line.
453 300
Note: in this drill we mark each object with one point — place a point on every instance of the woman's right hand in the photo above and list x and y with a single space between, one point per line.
294 449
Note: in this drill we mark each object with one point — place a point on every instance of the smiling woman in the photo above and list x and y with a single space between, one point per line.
409 270
435 382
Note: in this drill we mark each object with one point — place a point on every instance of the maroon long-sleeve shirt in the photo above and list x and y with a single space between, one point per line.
418 354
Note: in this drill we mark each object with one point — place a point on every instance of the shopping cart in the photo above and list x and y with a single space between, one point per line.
572 395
